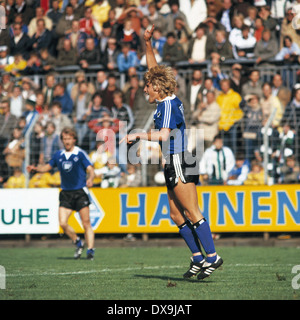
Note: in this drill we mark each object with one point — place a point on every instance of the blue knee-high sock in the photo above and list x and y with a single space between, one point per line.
191 239
204 234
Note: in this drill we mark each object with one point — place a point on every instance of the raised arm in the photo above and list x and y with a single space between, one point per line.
150 57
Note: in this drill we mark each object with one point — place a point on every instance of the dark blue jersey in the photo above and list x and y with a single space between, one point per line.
170 114
72 167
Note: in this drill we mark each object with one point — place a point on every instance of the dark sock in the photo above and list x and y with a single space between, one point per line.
204 234
187 233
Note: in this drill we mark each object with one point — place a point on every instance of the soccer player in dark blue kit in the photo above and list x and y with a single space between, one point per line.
181 174
74 166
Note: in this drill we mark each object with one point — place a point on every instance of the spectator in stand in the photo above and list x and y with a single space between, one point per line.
73 87
206 117
17 102
220 49
197 46
157 18
217 75
86 23
36 138
100 10
19 41
90 55
231 114
127 58
283 93
5 58
287 27
212 25
33 64
17 66
182 33
8 121
54 13
101 81
270 23
259 28
77 37
290 172
175 13
266 48
236 78
253 85
289 53
48 62
236 32
61 95
65 22
158 41
17 180
286 144
58 118
29 114
269 103
104 36
109 58
7 84
110 174
195 11
133 14
39 14
39 99
251 124
143 6
81 104
78 7
173 51
244 47
51 143
134 95
48 89
250 18
66 55
42 38
133 178
108 93
128 35
225 16
256 176
217 162
23 8
239 173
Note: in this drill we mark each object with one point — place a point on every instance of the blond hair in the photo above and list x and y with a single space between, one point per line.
162 79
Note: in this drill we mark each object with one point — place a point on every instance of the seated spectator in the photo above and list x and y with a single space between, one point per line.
266 48
100 10
197 46
54 13
143 6
290 51
290 172
5 58
176 13
14 152
42 38
195 88
66 56
133 177
61 95
206 117
51 143
250 18
253 85
225 15
23 8
270 23
19 41
86 23
73 87
48 89
220 49
237 78
217 162
217 75
77 37
109 58
41 180
58 118
39 100
269 103
78 7
127 58
157 18
101 81
287 28
134 95
48 62
65 22
256 176
158 41
173 51
110 174
128 35
90 55
7 84
231 114
259 28
33 65
17 180
251 124
245 44
17 66
212 25
236 32
239 173
39 14
8 121
133 14
108 93
283 93
182 33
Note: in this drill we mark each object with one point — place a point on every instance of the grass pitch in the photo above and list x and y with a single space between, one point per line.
147 273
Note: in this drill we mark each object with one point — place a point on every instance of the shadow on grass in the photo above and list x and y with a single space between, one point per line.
167 278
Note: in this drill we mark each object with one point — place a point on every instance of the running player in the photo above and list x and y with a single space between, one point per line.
181 182
73 165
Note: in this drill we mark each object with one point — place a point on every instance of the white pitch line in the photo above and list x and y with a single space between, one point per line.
130 269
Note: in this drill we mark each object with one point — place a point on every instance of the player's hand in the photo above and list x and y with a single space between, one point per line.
148 33
89 183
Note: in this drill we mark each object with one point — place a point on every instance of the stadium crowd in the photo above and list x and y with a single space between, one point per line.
40 37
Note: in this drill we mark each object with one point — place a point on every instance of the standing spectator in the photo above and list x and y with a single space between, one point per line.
39 14
17 102
197 46
66 55
77 37
158 41
36 143
195 88
287 28
134 95
60 94
101 81
195 11
104 36
21 7
127 58
216 163
236 32
58 118
133 178
175 13
48 89
128 35
156 18
290 172
231 114
86 23
8 121
108 93
65 22
17 180
269 103
183 34
290 51
253 85
90 55
54 13
266 48
283 93
239 173
109 58
173 51
110 174
245 44
225 16
206 117
251 124
19 42
236 78
100 10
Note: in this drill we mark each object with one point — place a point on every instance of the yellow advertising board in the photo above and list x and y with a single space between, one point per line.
227 208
